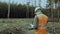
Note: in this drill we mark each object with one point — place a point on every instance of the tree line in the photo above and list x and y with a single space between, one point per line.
22 11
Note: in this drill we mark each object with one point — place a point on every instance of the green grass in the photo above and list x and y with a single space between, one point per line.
10 23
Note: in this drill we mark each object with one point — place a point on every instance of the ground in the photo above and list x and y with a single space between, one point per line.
20 24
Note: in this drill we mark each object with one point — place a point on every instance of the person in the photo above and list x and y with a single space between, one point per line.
40 22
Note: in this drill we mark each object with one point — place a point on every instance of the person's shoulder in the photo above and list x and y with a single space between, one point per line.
39 15
43 15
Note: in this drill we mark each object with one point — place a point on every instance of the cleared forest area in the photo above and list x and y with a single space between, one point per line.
16 26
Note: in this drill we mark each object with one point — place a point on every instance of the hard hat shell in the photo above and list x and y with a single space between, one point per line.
37 8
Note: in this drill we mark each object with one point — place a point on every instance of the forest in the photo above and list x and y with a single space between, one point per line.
22 11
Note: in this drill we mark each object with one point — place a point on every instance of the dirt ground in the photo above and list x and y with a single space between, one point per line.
18 26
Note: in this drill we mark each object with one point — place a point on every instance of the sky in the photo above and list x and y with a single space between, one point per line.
32 2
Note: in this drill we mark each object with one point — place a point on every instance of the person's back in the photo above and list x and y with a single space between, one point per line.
42 19
41 24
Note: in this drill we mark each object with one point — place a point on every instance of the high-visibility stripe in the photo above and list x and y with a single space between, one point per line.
41 28
41 25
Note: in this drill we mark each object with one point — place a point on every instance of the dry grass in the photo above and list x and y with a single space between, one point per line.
17 25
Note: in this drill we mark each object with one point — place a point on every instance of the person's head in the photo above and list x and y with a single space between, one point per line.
37 10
